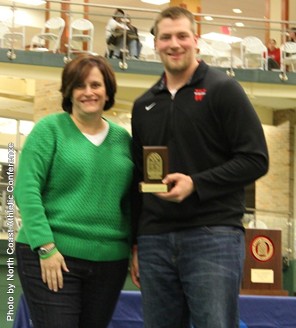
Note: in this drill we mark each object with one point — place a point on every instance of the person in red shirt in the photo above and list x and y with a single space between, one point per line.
274 55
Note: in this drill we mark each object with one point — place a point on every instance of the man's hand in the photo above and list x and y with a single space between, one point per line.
182 187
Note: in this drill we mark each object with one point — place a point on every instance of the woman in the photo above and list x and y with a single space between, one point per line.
72 190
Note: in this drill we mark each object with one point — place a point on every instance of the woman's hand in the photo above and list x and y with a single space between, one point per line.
52 271
134 267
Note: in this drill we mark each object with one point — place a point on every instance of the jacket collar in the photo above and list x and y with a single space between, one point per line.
197 76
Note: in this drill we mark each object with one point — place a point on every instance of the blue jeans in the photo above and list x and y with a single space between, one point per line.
133 46
87 300
192 276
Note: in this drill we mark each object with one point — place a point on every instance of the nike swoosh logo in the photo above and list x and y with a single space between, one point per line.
150 106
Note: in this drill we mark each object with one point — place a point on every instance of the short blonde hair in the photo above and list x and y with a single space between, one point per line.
174 13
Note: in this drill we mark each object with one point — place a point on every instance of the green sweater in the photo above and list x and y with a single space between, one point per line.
74 193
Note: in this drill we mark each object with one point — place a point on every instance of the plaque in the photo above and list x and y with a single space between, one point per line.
263 264
156 167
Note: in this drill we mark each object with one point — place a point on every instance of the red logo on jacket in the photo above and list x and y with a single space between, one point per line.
199 94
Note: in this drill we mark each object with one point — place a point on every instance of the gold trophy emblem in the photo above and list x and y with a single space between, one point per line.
155 169
154 164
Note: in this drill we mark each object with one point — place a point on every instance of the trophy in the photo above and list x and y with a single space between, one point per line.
156 167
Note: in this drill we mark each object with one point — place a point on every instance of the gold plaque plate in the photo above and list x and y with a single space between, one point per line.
155 169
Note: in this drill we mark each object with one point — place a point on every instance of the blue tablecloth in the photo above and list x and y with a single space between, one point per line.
256 312
268 311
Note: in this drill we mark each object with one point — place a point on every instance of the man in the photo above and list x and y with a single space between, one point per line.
190 247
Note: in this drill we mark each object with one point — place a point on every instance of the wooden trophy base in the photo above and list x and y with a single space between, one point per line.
153 187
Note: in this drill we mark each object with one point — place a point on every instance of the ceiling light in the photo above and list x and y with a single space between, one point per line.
239 24
31 2
213 36
156 2
236 10
208 18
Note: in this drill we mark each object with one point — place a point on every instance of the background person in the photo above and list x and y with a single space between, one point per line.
274 55
133 41
115 36
114 33
291 38
190 253
73 192
292 34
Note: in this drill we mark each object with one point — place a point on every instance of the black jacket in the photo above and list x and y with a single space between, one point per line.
214 135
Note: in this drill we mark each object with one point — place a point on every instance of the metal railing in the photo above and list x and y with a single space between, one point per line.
99 12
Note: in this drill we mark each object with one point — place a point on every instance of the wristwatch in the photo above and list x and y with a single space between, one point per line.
44 251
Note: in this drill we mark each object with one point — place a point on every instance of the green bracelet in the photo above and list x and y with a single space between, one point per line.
49 254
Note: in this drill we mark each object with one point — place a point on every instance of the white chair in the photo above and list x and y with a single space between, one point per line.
147 52
288 55
222 53
253 53
38 44
49 38
205 52
257 224
81 31
3 30
14 37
